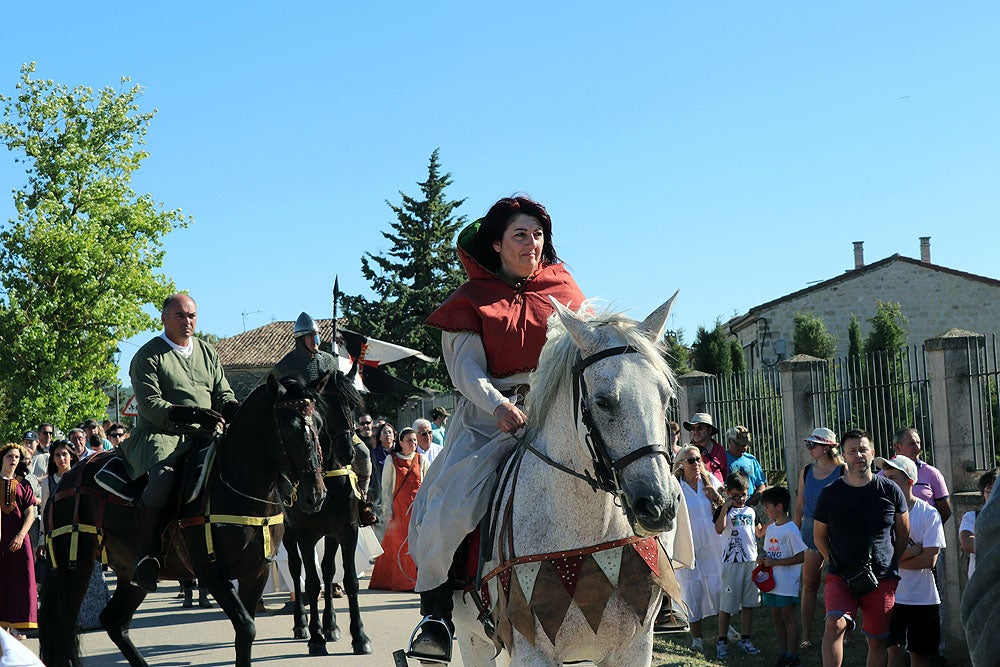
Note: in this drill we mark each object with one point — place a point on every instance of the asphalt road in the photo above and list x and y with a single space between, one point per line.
168 634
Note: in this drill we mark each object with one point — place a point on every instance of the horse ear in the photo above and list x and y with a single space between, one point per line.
320 383
583 335
657 320
275 387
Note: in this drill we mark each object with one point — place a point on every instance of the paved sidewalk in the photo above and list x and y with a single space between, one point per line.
167 634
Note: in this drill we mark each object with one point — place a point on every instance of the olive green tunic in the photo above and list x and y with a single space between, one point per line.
162 378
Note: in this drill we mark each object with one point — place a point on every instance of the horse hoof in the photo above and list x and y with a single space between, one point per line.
332 635
300 633
364 648
317 649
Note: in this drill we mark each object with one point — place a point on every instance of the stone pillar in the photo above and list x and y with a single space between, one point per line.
952 397
797 411
691 397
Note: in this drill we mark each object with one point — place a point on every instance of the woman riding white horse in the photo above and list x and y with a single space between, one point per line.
493 331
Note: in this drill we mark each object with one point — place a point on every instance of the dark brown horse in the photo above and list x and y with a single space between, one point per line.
336 523
269 457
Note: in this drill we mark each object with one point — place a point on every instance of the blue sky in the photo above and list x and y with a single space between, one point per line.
731 150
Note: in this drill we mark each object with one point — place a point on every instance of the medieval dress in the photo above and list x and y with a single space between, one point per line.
18 597
492 336
401 478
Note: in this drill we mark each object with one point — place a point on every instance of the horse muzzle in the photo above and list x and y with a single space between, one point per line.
650 512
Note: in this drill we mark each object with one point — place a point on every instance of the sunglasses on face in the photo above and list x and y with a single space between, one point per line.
46 432
365 423
692 460
427 433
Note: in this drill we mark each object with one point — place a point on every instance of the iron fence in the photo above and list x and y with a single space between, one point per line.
984 378
880 392
751 399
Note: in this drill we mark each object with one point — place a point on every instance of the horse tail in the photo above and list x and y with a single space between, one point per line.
58 640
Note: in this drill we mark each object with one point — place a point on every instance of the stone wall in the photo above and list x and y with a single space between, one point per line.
244 380
932 299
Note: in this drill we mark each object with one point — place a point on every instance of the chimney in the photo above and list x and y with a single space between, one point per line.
859 254
925 249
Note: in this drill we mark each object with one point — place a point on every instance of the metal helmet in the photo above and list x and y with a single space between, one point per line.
305 325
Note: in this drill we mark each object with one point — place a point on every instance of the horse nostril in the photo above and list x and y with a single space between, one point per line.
648 508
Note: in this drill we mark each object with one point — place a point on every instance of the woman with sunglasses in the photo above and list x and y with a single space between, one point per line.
701 585
825 468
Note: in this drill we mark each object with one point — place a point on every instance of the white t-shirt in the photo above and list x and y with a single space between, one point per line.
784 542
739 540
917 586
969 524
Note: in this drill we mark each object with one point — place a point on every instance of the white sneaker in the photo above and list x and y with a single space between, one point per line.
697 644
721 650
747 647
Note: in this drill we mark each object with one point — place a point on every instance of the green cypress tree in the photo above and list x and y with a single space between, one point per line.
677 353
711 353
812 338
856 344
889 331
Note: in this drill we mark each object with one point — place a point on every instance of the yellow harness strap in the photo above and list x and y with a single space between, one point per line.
346 470
74 541
233 520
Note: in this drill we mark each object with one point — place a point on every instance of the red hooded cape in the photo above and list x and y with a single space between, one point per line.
511 320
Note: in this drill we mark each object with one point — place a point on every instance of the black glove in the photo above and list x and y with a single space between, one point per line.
229 410
190 414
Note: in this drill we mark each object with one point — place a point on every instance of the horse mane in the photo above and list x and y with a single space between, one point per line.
295 386
555 364
344 386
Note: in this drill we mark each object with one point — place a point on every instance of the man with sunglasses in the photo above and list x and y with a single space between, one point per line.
425 440
713 454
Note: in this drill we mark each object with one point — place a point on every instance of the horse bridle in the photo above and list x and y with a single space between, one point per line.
606 469
305 407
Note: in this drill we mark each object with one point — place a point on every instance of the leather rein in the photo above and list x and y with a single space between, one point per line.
606 469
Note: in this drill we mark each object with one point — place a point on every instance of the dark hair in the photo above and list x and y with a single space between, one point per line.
901 434
737 481
855 434
399 438
95 442
674 428
777 495
68 446
494 224
378 433
987 478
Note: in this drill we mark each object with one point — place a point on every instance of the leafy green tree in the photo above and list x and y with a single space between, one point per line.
856 344
79 261
888 331
677 353
711 351
812 338
413 277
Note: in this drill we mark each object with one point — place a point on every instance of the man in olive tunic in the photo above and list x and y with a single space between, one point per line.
310 362
181 395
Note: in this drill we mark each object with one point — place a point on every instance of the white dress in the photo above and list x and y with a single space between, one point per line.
455 494
702 584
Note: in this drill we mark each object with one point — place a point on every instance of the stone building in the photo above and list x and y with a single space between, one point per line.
934 298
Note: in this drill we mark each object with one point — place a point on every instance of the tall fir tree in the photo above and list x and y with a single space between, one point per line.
677 353
888 331
413 277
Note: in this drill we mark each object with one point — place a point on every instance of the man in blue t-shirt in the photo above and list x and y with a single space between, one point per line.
860 520
737 444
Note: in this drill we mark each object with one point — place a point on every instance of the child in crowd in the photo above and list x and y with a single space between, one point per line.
967 531
784 553
739 556
915 624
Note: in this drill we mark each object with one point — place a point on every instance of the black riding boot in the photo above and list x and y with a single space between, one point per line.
432 638
147 565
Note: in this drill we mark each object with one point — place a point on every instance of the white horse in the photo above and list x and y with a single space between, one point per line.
592 470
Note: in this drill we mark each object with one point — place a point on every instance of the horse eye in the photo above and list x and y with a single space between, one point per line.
603 402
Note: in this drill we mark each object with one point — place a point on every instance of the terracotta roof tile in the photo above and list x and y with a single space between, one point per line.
264 346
